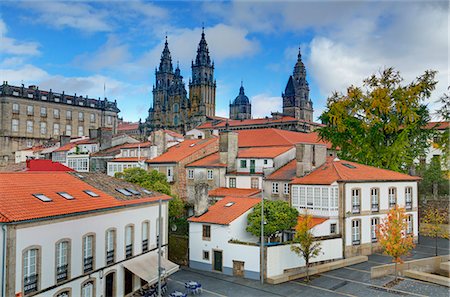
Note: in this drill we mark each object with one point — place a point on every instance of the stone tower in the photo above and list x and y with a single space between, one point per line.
202 86
296 102
241 109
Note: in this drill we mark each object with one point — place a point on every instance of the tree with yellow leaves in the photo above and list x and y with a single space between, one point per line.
434 218
392 235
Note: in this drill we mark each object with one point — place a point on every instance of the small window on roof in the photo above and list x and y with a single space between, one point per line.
349 165
192 145
229 204
65 195
79 175
124 192
132 191
42 197
90 193
147 191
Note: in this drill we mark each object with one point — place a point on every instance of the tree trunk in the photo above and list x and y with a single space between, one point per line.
395 271
435 243
307 271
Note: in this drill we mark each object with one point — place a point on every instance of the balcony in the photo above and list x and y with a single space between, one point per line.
392 204
374 239
408 205
375 207
88 264
129 251
356 209
61 273
145 245
110 257
30 284
356 241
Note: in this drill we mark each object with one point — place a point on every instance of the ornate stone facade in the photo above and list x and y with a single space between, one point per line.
241 108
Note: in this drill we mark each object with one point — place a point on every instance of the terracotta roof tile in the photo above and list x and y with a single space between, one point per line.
46 165
182 150
17 202
128 159
263 152
137 144
173 133
233 192
221 214
286 172
249 122
212 160
70 145
335 170
438 125
314 221
125 126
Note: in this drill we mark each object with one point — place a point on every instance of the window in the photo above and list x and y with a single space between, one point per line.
254 183
55 129
43 111
43 128
87 290
392 197
409 224
29 126
129 230
356 200
373 229
30 272
110 244
80 116
175 107
375 199
65 195
169 174
90 193
206 234
124 192
145 235
109 120
92 117
29 143
80 131
275 188
42 197
408 198
286 189
30 110
69 130
209 174
88 253
15 108
69 115
232 182
243 163
333 228
56 113
15 125
191 173
356 235
65 293
266 161
62 260
205 255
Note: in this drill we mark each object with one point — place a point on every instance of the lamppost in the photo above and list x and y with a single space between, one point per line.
262 231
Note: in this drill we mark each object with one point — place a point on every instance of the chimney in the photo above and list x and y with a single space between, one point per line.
63 140
93 133
104 135
304 158
158 138
320 155
201 199
228 149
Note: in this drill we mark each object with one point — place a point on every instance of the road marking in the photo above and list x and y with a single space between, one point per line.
323 289
371 285
211 292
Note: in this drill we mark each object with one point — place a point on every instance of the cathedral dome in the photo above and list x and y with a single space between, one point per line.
241 99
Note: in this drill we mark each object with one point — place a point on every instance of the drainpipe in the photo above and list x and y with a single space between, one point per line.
3 261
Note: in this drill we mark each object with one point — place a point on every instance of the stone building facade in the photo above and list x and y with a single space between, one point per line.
172 108
241 108
29 117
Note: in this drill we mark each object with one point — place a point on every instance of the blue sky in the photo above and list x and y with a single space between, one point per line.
80 46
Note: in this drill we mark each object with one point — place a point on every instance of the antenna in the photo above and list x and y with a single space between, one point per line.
104 89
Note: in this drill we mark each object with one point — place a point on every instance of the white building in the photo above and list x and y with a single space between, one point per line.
63 236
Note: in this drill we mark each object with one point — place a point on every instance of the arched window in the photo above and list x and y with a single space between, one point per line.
62 260
175 120
176 108
87 289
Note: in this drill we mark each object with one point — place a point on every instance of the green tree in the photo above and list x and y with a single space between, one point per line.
434 219
278 216
443 138
433 180
305 244
382 124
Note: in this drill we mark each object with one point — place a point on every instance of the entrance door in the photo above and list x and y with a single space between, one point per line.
128 279
109 285
218 260
238 268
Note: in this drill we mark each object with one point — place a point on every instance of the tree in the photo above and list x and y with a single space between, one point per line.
304 241
377 125
443 139
433 179
434 218
278 216
391 234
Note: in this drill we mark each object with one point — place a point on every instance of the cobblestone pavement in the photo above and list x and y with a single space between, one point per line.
349 281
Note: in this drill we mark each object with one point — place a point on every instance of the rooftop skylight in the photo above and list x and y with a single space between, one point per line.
349 165
42 197
90 193
132 191
229 204
147 191
66 195
124 192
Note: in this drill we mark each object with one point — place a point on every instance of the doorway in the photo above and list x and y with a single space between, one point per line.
109 285
238 268
217 261
128 280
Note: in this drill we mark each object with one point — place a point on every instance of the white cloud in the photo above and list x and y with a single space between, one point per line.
10 46
264 104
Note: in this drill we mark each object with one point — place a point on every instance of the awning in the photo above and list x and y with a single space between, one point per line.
146 267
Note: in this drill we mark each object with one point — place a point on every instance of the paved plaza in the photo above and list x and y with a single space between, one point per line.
349 281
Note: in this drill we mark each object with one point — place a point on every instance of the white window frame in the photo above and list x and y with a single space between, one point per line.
232 182
356 232
56 114
286 189
68 130
16 108
373 227
80 116
209 174
190 173
80 131
275 187
30 110
30 125
55 129
15 125
43 128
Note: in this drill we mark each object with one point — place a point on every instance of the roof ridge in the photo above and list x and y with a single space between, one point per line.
336 169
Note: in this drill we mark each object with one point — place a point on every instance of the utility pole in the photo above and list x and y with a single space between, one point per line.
159 249
262 231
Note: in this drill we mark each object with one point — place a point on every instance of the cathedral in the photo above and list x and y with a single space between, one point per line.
241 108
172 108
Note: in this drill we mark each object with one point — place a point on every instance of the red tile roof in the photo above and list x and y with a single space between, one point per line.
249 122
18 204
46 165
173 134
221 214
125 126
314 221
70 145
276 137
136 145
286 172
182 150
212 160
128 159
263 152
438 125
233 192
335 170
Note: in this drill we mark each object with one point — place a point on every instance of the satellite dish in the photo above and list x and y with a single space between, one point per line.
173 227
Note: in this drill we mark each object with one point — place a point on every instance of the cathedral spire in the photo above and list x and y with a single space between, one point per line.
166 60
203 58
299 68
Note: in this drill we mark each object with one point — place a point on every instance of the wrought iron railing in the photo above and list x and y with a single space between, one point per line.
110 257
30 283
88 264
62 272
